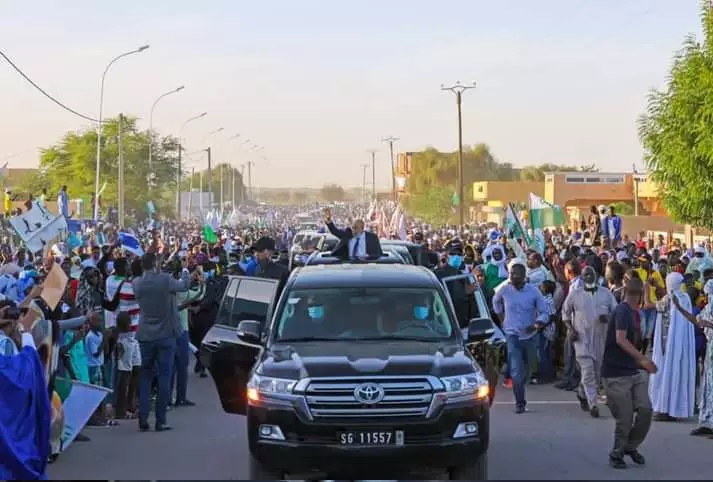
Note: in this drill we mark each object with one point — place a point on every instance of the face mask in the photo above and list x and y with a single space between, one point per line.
316 312
455 261
208 274
420 312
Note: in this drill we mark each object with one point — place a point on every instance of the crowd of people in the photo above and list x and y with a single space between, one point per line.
598 316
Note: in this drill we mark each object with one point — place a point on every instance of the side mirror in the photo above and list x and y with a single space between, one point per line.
249 331
480 329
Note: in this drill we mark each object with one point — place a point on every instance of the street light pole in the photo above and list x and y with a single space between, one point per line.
210 165
391 141
364 167
458 90
100 124
151 130
373 173
179 174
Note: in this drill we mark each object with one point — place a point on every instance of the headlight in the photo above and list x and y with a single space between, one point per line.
474 384
259 384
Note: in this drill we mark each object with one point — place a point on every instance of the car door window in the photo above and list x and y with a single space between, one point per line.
226 305
252 301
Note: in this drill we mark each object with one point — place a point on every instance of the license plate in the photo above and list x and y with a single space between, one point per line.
371 437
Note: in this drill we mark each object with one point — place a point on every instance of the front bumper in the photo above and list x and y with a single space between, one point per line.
311 447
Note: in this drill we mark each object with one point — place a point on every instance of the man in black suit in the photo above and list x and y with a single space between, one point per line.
354 242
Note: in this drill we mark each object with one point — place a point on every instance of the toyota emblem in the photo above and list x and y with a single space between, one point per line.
369 393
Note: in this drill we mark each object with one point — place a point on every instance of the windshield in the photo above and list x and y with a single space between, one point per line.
364 314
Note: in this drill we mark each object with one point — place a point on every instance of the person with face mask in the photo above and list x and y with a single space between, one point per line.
266 267
586 312
459 290
523 312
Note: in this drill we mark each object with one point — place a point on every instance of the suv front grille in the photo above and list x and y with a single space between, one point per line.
403 397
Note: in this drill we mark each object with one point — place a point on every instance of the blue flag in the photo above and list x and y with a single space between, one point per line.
131 244
25 417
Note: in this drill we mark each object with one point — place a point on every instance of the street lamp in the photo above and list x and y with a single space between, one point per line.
180 150
100 124
151 125
458 90
391 141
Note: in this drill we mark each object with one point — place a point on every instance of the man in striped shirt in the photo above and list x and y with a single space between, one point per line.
127 300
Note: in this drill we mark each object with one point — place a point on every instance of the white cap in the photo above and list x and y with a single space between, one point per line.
515 261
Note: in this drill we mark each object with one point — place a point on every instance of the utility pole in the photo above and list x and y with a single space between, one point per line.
458 90
635 179
364 167
232 184
210 179
242 181
190 193
391 141
178 183
121 170
250 178
373 173
221 187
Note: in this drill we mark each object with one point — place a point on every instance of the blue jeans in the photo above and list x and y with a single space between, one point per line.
179 375
648 321
546 369
156 358
520 352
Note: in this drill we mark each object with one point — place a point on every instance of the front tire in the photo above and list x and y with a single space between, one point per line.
258 472
477 471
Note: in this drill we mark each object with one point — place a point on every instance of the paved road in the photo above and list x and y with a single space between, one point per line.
554 440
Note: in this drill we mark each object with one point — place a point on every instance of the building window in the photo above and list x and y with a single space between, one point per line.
594 180
480 188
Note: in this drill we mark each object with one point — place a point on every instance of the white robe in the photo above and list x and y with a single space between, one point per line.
672 388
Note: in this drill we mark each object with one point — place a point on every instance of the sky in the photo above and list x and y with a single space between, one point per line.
318 83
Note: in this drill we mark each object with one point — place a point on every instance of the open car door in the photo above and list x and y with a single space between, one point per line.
490 353
227 358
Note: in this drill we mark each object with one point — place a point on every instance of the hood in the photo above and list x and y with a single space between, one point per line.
324 359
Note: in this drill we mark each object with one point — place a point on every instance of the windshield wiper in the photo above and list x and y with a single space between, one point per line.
306 338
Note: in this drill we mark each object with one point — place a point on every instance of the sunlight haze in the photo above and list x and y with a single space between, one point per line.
318 83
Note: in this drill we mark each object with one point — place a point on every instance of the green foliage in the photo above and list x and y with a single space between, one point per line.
624 208
434 206
332 193
198 180
676 131
72 161
435 174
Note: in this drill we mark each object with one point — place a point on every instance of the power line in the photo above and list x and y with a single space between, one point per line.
44 92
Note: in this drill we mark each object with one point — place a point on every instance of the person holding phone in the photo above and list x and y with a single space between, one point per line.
626 371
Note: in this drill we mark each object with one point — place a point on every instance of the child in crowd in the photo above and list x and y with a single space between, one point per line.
128 359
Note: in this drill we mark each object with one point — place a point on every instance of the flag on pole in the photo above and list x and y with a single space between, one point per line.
543 214
131 244
209 234
513 227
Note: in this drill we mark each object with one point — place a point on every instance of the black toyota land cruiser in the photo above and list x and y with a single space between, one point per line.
357 371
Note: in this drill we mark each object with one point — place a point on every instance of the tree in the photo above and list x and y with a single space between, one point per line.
676 131
332 193
433 206
72 162
230 175
432 169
